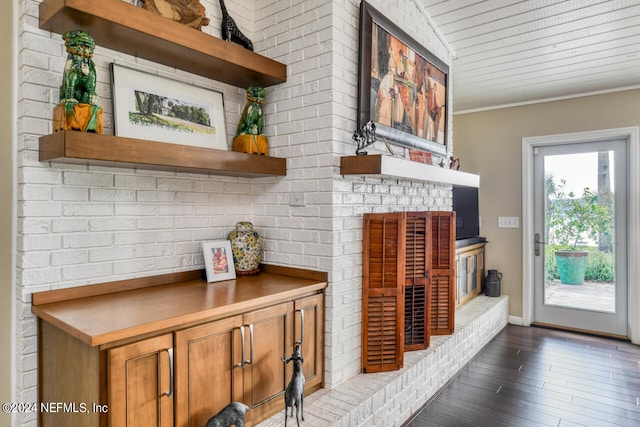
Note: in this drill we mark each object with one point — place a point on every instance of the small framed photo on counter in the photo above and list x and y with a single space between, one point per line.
218 260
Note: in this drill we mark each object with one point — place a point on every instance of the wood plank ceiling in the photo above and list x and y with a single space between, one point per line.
522 51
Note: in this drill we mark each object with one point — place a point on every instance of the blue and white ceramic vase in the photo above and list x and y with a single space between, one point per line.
246 246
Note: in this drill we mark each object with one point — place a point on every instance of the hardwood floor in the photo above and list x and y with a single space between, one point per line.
541 377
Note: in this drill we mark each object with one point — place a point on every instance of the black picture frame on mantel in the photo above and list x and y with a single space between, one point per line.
402 87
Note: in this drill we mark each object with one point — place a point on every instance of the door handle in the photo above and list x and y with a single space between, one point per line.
170 392
301 327
241 364
250 361
537 244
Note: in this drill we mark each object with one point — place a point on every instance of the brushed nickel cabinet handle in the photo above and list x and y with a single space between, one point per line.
241 364
301 327
170 392
250 361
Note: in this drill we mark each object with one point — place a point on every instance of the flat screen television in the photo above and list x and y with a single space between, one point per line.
465 204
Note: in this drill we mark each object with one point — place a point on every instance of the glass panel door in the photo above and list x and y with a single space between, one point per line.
464 278
474 274
580 222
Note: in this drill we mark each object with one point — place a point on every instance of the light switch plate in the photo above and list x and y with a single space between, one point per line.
508 222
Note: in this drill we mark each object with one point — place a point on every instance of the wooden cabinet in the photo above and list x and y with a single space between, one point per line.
170 354
469 272
247 366
140 383
208 364
309 332
67 365
268 340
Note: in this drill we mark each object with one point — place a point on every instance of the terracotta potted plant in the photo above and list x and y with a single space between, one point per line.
572 221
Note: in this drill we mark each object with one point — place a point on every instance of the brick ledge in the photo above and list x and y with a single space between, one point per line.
389 398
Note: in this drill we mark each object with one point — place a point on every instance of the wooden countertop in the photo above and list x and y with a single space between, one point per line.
100 320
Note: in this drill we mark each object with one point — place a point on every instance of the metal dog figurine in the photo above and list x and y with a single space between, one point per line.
232 414
294 393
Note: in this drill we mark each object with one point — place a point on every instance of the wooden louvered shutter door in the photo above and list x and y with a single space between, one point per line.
417 309
443 255
382 292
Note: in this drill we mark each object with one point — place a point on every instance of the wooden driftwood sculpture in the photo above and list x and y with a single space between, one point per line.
188 12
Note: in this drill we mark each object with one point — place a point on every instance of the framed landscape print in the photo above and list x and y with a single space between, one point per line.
218 260
402 87
147 106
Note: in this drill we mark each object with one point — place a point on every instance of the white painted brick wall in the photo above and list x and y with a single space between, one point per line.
80 225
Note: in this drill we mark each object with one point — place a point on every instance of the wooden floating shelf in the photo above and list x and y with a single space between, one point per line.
378 164
103 150
123 27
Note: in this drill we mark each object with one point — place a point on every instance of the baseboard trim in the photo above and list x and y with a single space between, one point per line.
580 331
516 320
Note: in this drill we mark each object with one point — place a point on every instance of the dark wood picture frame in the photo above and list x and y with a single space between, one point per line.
395 71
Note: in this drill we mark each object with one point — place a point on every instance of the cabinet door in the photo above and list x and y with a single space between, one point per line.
473 274
141 383
469 273
417 307
309 330
464 278
268 340
383 281
208 370
443 235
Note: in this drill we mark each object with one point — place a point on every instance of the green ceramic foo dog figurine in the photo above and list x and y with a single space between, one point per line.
78 108
79 79
249 137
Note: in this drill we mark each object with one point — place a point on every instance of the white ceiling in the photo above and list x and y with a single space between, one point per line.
521 51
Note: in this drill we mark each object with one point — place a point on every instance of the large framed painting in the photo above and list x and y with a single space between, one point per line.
151 107
402 87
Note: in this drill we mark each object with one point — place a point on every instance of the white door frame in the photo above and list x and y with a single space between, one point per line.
632 136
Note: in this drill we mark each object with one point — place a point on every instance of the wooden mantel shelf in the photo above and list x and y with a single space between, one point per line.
123 27
401 168
104 150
